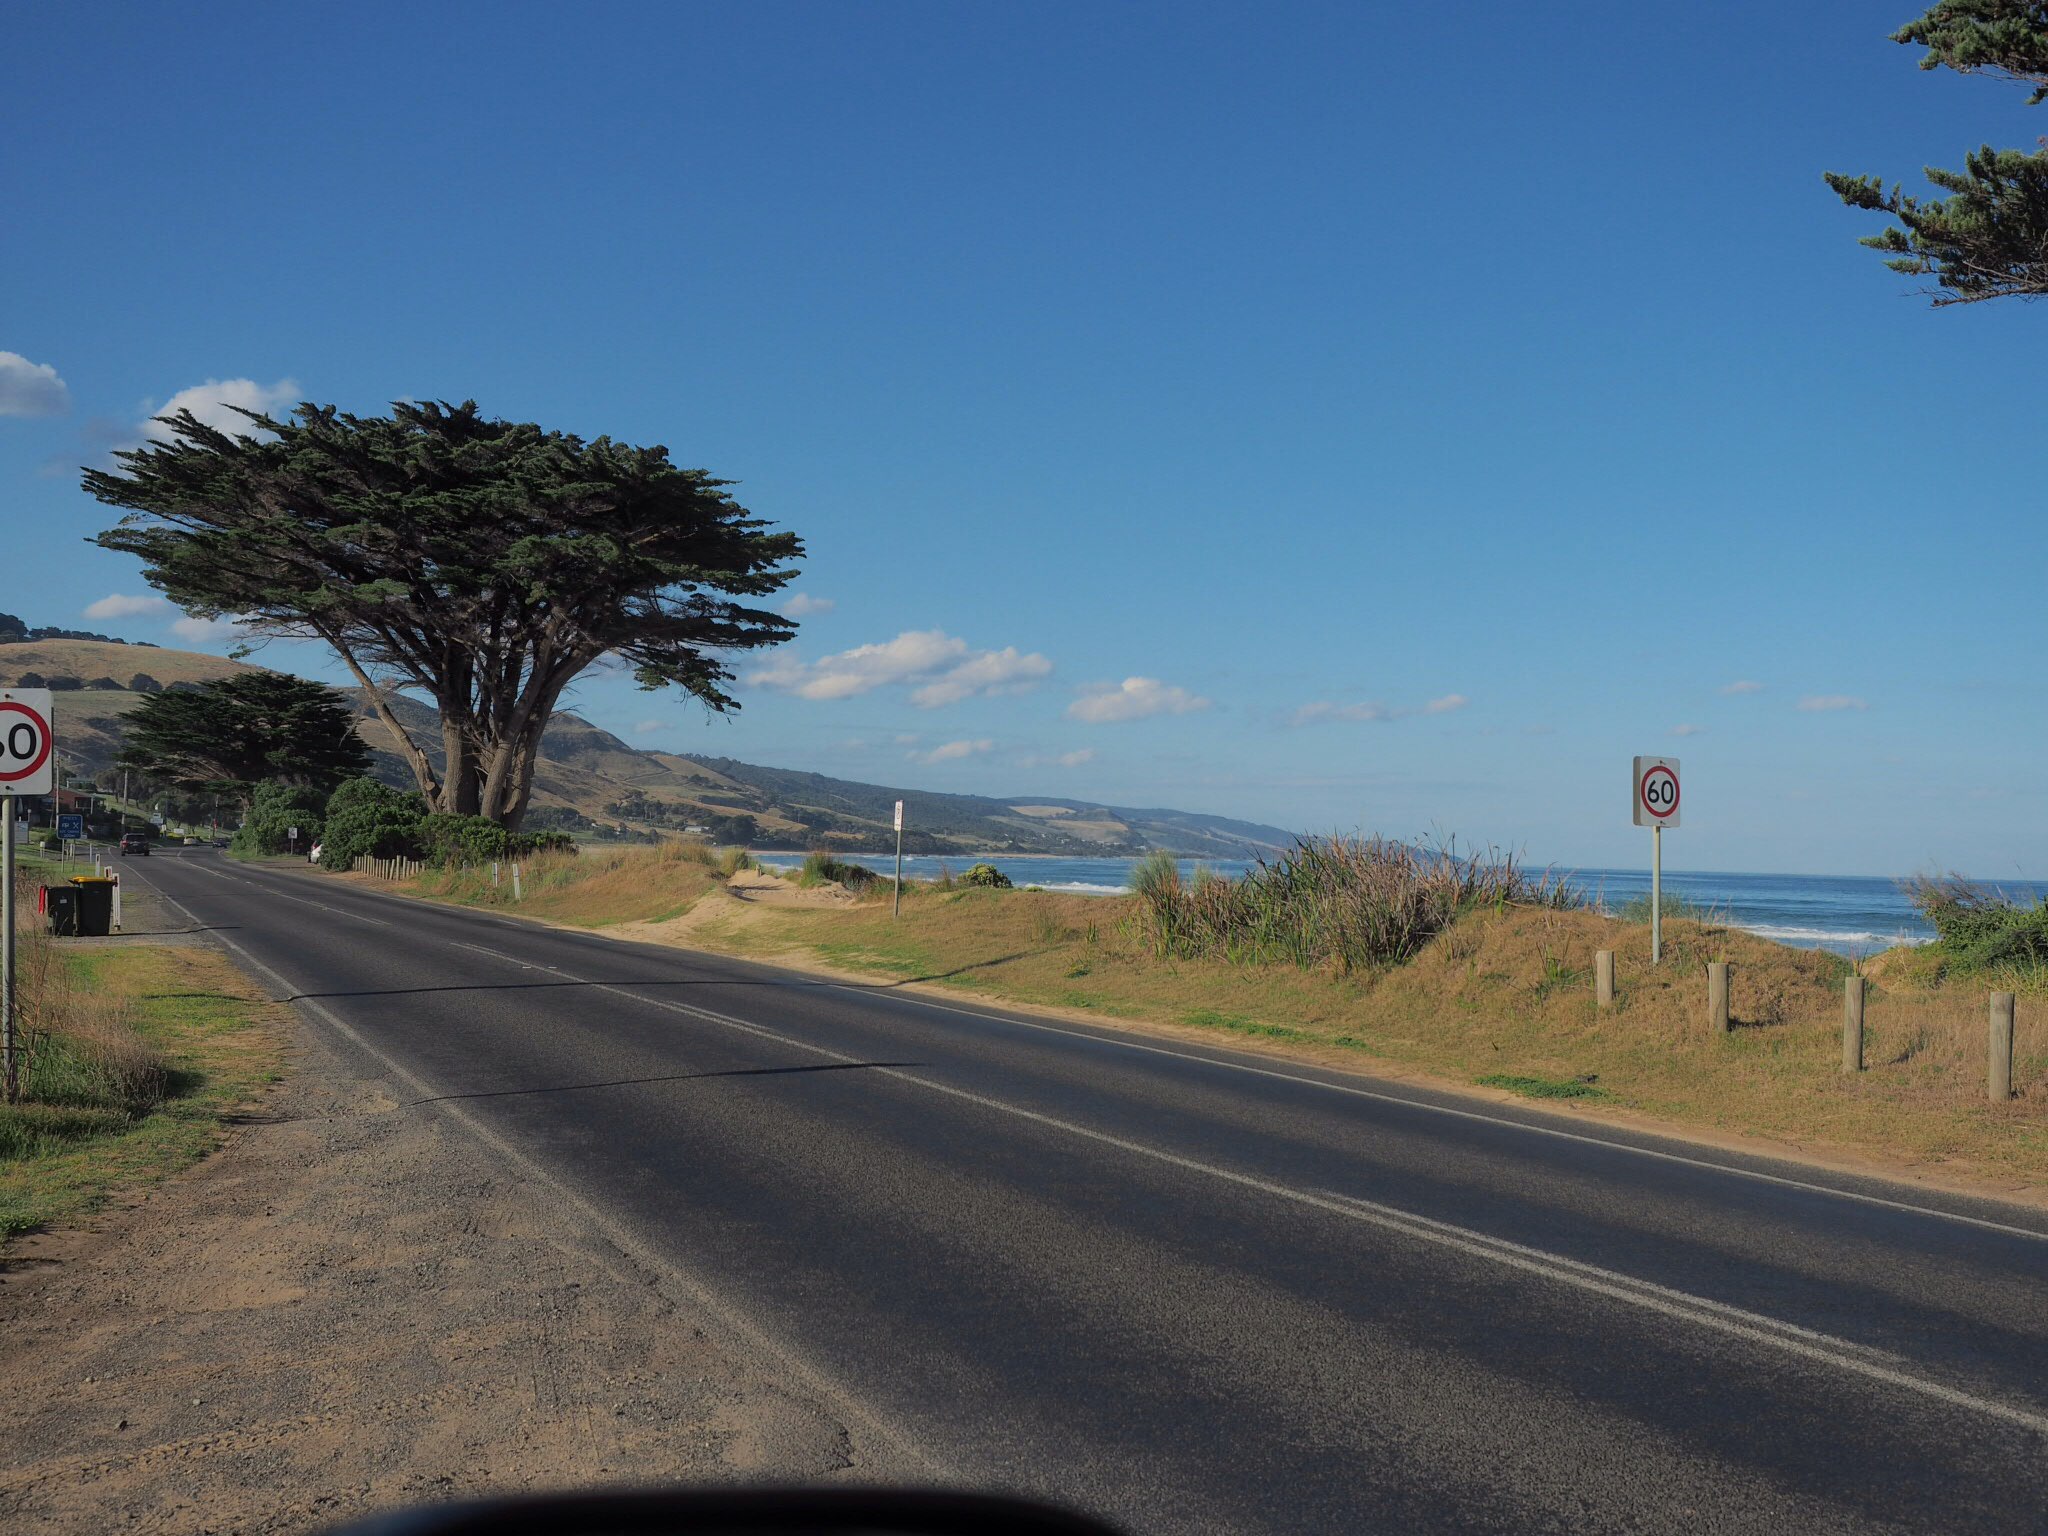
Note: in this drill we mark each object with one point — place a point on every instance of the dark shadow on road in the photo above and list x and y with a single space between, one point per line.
676 1077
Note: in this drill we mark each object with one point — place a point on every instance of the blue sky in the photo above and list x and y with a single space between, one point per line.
1345 416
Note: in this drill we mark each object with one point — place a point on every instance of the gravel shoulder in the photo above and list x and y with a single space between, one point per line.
356 1304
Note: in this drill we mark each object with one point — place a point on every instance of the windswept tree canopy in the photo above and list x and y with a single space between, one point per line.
243 730
484 563
1988 238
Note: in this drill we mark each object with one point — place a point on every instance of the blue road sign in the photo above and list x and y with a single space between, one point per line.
71 826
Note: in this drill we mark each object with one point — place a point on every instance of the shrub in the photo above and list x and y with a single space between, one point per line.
821 867
274 810
449 840
33 680
104 684
368 820
986 875
1346 903
142 682
61 682
733 860
1978 928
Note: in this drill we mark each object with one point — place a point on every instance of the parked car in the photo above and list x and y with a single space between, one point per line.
134 842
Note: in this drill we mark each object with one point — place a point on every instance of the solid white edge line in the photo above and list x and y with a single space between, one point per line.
1682 1305
838 1398
1105 1035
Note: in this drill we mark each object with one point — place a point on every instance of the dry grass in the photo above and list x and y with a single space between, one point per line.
593 888
134 1055
1503 993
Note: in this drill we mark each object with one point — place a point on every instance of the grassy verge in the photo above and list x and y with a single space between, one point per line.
138 1053
1499 996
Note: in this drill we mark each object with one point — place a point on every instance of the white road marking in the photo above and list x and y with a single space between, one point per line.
1121 1042
838 1394
1702 1311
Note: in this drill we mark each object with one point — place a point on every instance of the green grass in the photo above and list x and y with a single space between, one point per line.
1210 1018
1544 1087
88 1137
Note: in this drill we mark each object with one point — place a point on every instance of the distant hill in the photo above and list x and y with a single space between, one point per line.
589 779
15 630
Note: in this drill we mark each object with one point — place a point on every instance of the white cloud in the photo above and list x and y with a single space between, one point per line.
1323 709
801 605
991 672
208 631
952 751
1072 759
1815 703
943 668
116 605
649 727
1688 730
212 403
31 389
1135 698
1743 686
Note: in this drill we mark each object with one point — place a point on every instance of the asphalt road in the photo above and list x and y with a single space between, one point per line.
1193 1290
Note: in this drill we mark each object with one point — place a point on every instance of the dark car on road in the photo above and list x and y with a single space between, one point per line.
134 842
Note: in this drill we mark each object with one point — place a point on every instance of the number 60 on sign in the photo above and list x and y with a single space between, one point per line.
1657 793
28 761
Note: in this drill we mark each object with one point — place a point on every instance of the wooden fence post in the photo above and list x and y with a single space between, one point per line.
2001 1046
1852 1024
1603 977
1717 996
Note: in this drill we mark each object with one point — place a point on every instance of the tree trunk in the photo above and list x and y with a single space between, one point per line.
422 766
461 793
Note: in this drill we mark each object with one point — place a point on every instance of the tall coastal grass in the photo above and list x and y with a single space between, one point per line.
1981 932
1338 903
85 1070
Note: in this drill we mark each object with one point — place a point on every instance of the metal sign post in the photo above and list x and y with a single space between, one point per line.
28 766
897 910
1656 807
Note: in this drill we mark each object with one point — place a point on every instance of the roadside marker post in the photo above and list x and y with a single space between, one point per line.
1603 978
515 883
1852 1024
28 766
1717 996
897 910
1656 807
2000 1072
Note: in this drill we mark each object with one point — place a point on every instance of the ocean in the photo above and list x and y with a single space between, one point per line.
1847 914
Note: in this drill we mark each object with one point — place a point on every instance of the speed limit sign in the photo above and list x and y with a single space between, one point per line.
1656 798
28 760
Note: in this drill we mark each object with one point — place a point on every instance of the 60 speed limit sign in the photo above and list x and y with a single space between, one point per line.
1656 792
28 758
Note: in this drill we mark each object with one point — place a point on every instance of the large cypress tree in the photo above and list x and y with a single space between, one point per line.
1988 238
484 563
